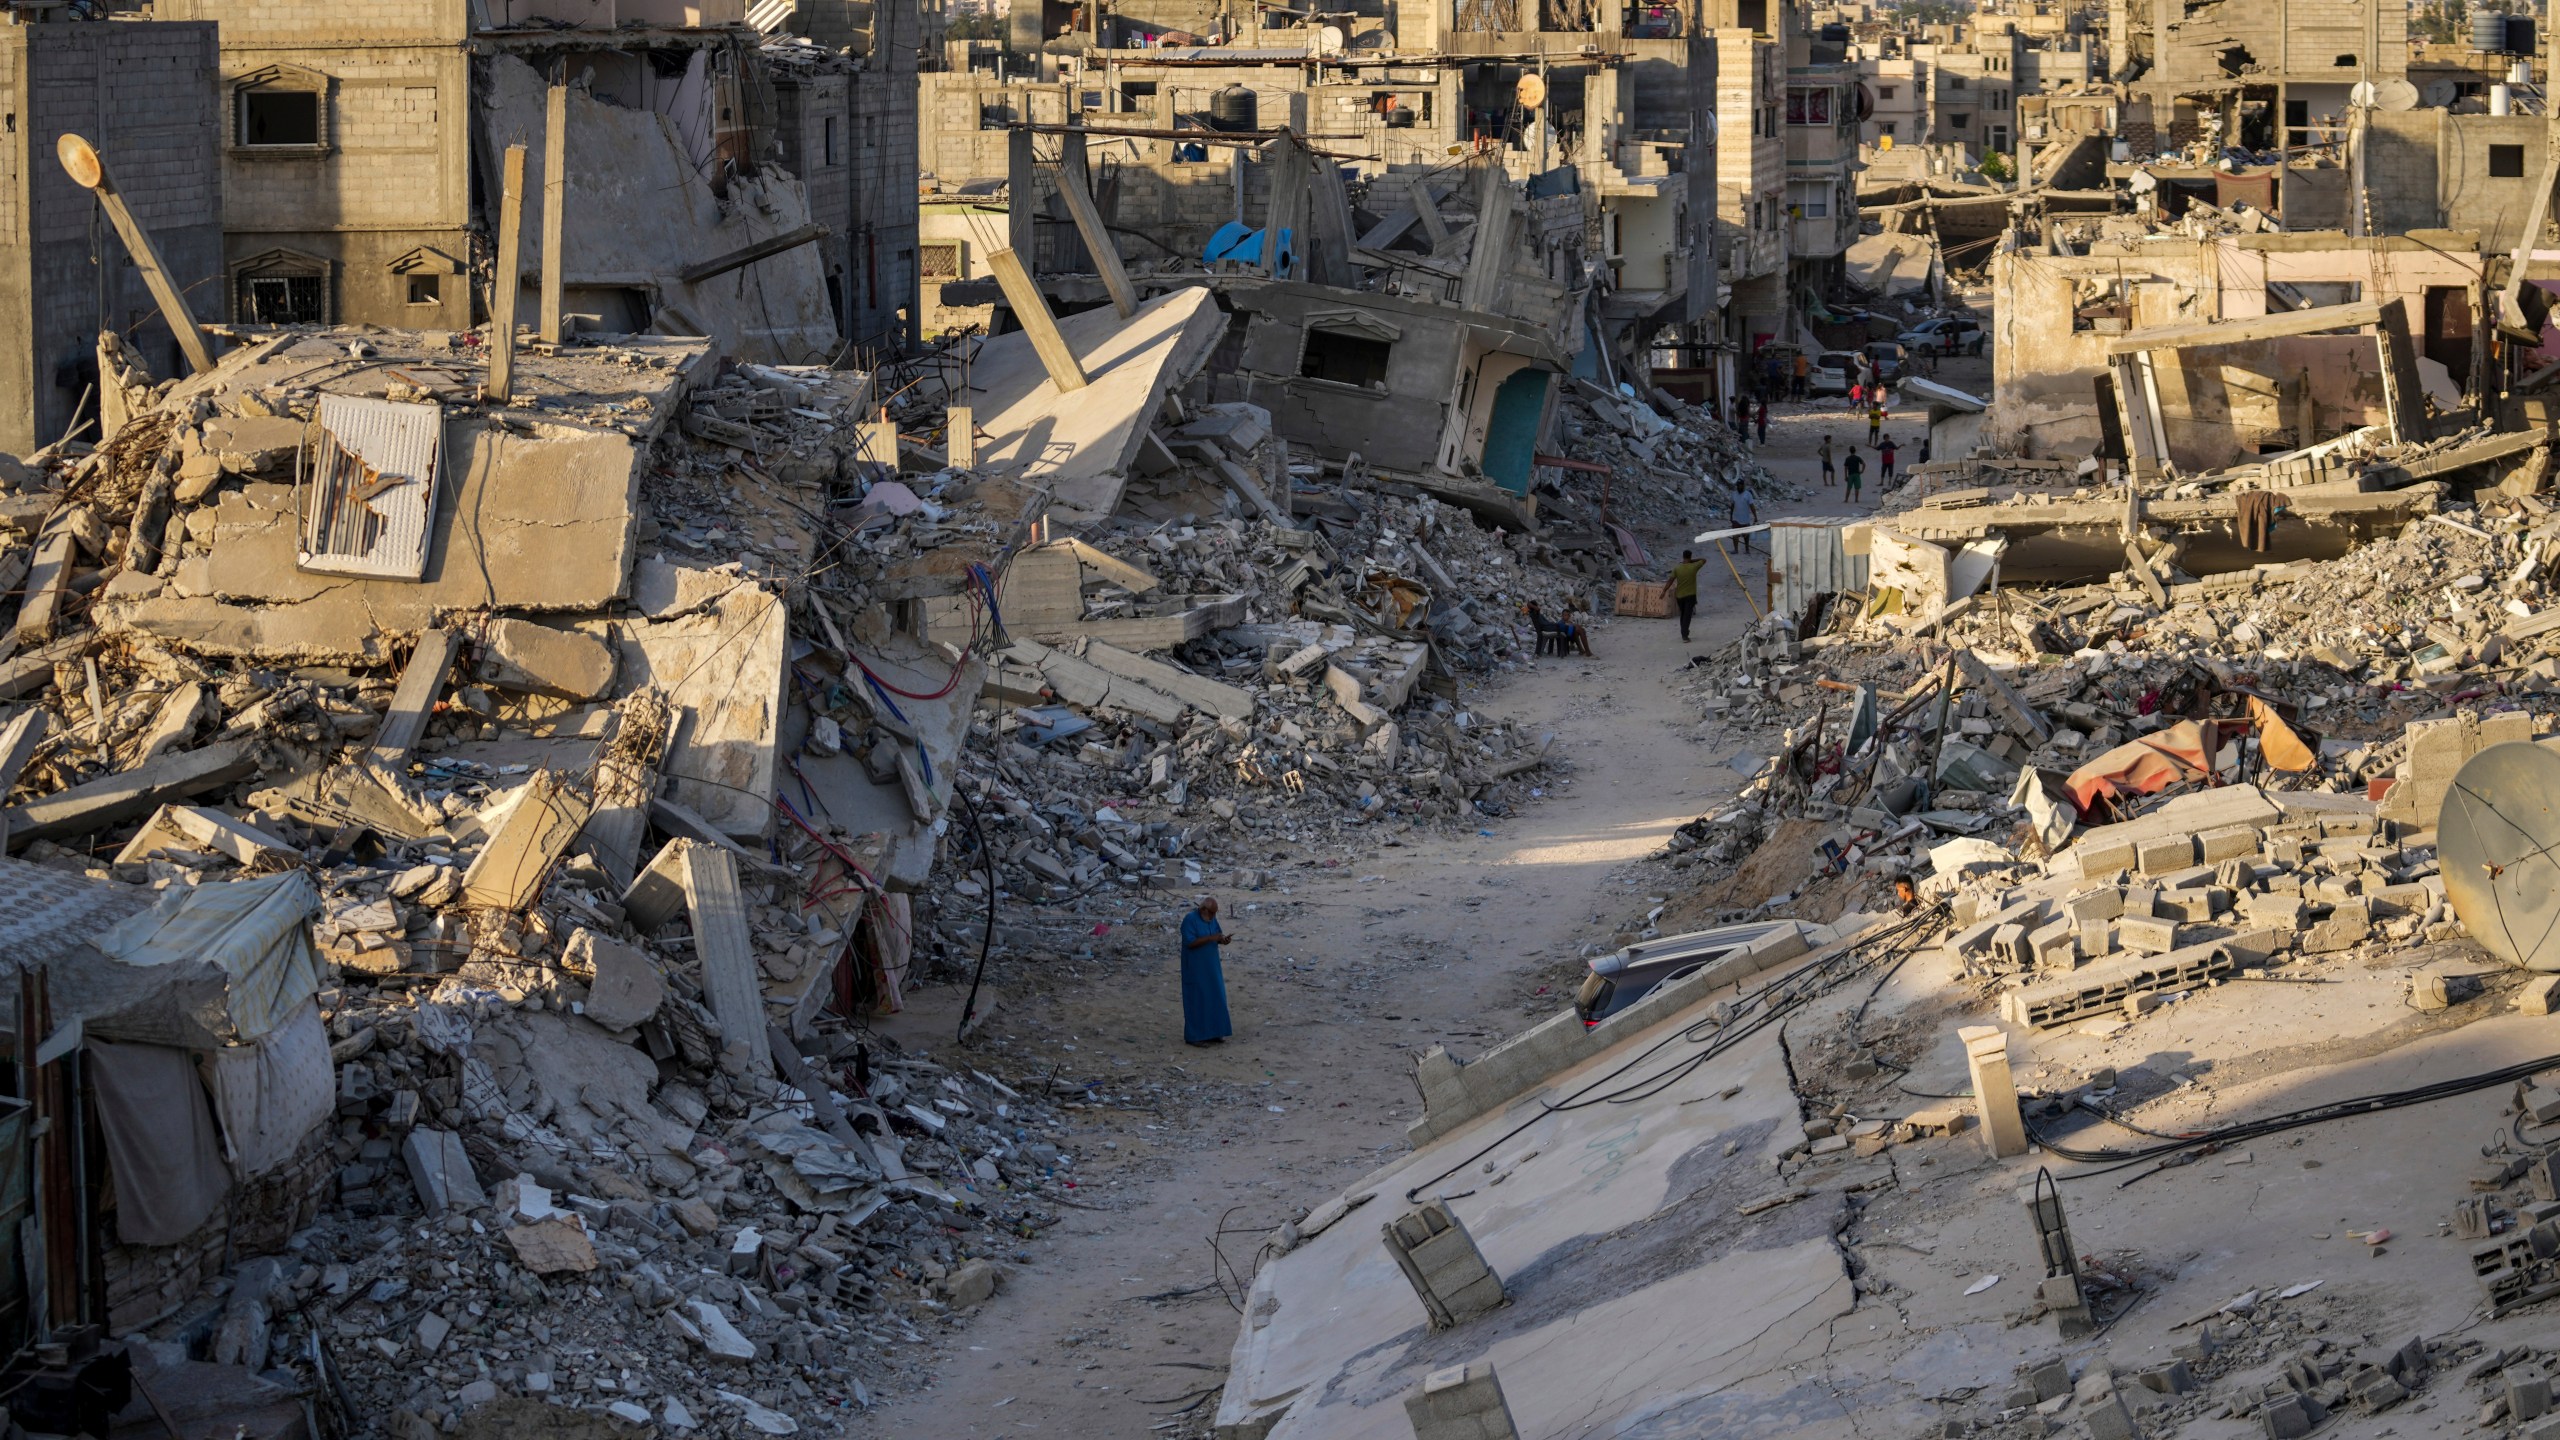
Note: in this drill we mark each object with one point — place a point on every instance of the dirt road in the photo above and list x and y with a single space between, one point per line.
1122 1317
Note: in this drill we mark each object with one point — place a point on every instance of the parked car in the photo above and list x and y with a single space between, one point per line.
1931 335
1833 372
1623 977
1888 359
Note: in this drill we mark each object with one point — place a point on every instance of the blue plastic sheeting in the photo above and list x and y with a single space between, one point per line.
1235 241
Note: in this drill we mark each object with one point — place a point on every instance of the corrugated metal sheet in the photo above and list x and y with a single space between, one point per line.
1806 559
371 498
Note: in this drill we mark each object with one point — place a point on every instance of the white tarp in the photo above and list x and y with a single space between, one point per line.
204 967
270 1094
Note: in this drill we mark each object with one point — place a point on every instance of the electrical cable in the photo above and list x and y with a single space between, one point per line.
986 942
2109 1161
1765 1007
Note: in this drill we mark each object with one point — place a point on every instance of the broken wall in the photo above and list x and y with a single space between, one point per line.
2049 348
1397 423
638 215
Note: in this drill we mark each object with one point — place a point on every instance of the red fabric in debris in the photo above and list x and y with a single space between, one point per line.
2146 766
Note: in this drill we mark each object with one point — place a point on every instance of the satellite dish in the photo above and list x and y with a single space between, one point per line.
1329 40
2395 95
2495 838
2439 94
79 158
1531 92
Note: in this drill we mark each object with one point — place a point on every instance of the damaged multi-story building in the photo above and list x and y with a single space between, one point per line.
360 164
1593 182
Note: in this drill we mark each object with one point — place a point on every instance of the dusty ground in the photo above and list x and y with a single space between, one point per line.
1118 1322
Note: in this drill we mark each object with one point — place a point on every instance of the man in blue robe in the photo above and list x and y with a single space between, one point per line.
1204 977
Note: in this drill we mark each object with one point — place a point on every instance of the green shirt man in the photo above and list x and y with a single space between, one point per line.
1684 588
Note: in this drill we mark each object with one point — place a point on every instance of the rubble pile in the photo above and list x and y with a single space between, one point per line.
683 1257
2320 1367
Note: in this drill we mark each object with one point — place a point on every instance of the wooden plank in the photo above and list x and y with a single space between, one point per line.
2353 316
1023 296
502 298
413 704
1078 192
731 981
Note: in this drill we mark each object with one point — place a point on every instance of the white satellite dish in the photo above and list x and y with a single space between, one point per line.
1329 40
2440 93
1531 92
2395 95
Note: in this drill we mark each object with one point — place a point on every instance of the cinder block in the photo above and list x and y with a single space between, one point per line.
2110 1420
2102 858
2146 934
2104 903
2506 727
2097 937
2217 846
1463 1402
1440 1260
2169 852
2437 749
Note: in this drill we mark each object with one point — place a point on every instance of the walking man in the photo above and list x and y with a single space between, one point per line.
1764 420
1829 476
1204 976
1853 474
1804 372
1884 469
1746 512
1684 589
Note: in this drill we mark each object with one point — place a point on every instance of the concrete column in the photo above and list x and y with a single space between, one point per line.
960 446
1995 1094
502 293
1022 293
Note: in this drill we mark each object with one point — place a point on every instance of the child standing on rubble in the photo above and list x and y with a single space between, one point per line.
1853 475
1884 463
1875 416
1829 477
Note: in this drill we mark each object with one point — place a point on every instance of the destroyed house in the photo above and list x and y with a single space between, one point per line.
2226 392
362 161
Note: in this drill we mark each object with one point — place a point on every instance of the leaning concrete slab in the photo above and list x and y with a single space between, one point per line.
721 670
1084 442
131 794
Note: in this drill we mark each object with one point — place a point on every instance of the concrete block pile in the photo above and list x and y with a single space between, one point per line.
2315 1373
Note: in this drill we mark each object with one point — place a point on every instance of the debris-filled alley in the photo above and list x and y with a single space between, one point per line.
1466 721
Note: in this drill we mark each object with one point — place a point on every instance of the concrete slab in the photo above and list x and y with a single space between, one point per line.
1640 1299
1084 443
721 668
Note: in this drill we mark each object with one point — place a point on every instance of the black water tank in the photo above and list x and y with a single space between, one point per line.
1235 108
2520 35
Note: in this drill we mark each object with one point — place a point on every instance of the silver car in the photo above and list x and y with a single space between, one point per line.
1623 977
